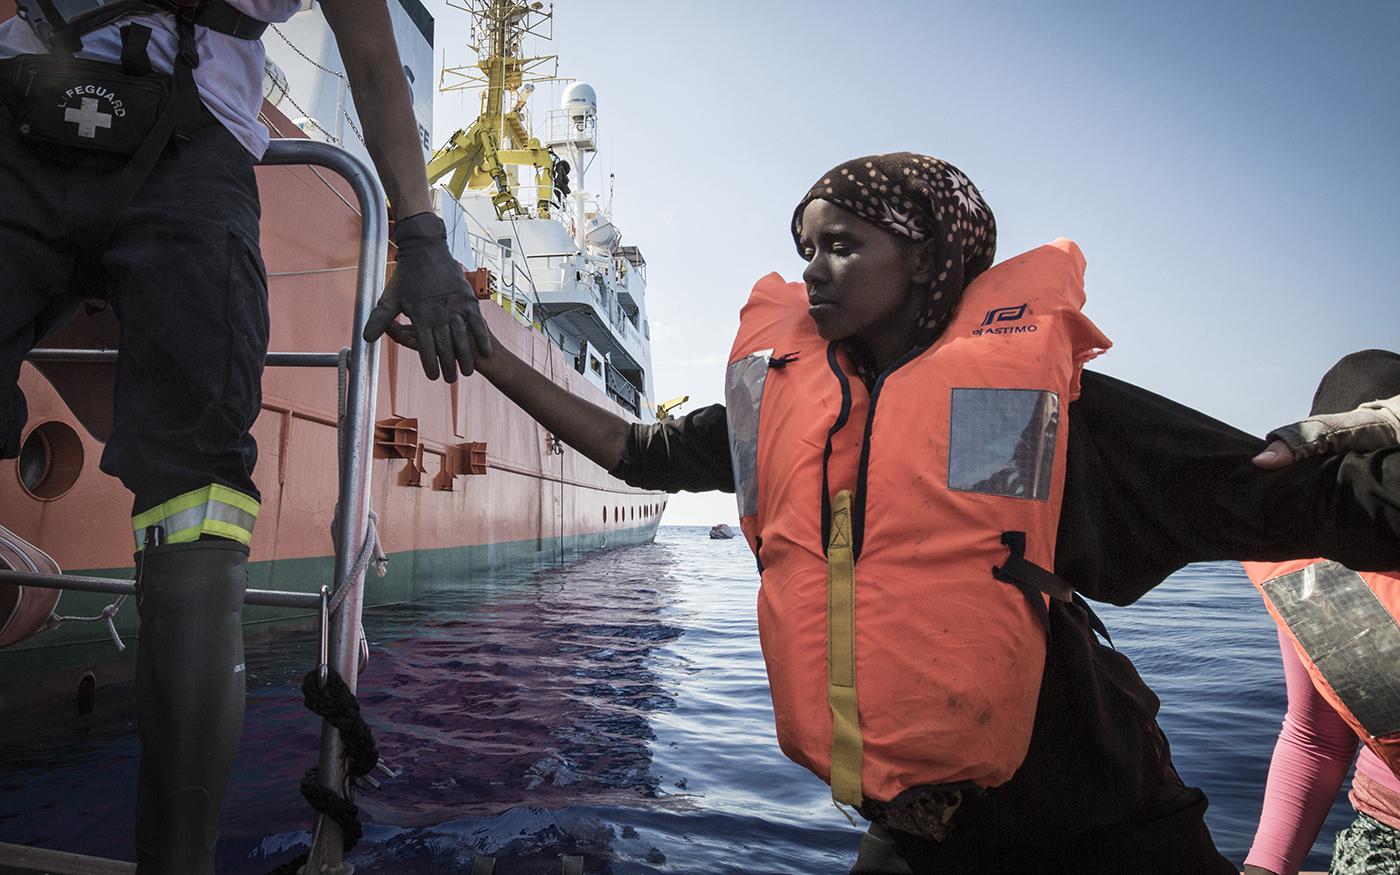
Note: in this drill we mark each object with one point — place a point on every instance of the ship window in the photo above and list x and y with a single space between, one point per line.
596 365
504 243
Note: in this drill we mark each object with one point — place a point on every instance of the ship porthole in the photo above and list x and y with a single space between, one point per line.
50 460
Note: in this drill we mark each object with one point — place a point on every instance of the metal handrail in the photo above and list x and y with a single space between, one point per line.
352 511
109 356
272 598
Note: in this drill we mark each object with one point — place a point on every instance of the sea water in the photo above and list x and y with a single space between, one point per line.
614 708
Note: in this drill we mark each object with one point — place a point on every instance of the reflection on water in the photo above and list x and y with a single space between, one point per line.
615 708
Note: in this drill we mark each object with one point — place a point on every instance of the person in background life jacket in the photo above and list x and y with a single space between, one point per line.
1340 643
127 143
931 486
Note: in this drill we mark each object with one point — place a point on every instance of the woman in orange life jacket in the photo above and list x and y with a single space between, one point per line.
893 243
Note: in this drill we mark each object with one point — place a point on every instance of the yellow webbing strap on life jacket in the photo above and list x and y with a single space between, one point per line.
212 510
841 656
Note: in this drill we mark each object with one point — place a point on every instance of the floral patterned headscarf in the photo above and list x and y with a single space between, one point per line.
919 198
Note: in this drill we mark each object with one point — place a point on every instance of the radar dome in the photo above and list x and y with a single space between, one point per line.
580 102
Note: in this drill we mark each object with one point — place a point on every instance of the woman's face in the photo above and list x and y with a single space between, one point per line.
858 280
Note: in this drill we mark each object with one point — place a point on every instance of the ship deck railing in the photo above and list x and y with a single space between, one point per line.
340 629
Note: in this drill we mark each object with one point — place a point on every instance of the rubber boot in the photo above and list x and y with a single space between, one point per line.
189 699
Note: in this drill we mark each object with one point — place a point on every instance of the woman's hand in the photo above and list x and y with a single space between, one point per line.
1372 426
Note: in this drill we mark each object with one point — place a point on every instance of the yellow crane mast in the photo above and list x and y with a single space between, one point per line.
477 156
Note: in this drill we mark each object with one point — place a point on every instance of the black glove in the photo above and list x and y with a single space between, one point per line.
428 287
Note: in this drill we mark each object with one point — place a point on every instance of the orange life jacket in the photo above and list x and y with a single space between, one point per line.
1343 624
895 658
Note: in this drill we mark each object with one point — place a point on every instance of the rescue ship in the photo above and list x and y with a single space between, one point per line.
464 483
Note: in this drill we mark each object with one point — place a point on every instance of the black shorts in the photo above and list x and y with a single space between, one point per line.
183 275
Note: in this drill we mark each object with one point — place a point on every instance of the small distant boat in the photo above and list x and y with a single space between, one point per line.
721 532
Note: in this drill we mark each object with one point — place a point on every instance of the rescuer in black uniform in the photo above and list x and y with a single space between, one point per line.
127 178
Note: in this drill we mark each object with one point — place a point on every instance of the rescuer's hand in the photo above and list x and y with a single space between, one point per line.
428 287
1374 425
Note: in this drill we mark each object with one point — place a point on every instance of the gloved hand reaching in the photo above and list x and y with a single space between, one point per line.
1374 425
428 287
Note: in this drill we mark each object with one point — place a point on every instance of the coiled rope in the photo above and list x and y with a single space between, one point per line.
337 705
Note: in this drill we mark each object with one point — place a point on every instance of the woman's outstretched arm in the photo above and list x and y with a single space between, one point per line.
597 433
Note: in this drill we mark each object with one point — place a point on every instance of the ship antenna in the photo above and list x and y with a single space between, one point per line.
477 156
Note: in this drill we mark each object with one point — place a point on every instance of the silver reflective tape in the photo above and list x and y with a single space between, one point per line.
1002 441
1349 635
195 516
227 513
743 395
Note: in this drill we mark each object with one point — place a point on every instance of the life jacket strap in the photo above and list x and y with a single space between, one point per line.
846 742
1019 570
1094 622
220 16
217 15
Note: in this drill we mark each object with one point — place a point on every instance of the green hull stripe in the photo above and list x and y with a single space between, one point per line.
411 574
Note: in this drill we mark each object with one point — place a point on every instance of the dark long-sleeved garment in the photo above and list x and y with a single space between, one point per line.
1150 487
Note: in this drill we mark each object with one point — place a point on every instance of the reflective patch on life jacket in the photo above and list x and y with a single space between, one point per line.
1349 636
1002 442
743 395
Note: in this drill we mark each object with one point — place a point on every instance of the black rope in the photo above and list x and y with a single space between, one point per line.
337 705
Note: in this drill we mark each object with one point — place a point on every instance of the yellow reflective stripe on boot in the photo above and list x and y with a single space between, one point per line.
213 510
846 744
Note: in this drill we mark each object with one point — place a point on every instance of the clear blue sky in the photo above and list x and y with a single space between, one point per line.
1231 170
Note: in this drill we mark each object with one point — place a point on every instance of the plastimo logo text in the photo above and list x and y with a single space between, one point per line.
996 315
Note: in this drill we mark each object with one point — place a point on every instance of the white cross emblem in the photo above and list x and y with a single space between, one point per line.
88 119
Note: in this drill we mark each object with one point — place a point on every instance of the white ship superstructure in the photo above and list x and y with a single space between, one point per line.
514 202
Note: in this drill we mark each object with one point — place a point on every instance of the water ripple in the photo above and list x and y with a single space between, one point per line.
616 708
